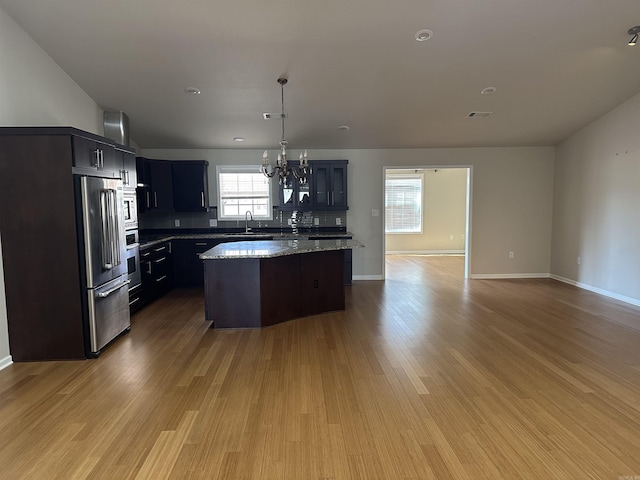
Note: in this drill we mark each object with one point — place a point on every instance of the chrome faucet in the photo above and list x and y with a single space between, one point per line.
246 221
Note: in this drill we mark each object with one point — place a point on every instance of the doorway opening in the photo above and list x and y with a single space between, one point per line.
427 211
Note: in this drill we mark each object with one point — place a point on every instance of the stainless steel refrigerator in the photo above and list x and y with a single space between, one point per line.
102 237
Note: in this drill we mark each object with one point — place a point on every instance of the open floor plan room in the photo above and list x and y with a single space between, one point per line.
424 376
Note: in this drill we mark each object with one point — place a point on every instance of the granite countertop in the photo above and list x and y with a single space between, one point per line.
253 236
275 248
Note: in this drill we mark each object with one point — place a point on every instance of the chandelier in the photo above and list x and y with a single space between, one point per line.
281 168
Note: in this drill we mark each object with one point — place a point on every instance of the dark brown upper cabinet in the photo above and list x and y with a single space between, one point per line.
190 185
155 189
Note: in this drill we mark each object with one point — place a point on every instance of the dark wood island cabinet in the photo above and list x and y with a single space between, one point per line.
245 281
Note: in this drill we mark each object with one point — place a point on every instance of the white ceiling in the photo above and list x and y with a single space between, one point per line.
556 64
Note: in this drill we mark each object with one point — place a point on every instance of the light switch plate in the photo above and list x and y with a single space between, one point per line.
375 213
213 222
316 221
338 221
176 222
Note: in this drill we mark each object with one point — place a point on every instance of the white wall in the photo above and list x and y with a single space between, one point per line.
596 206
444 211
511 200
34 90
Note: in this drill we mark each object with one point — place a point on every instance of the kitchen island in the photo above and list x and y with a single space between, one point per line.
260 283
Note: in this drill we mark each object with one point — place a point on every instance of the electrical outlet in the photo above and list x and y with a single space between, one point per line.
316 221
579 260
450 237
176 222
338 221
375 213
213 222
510 254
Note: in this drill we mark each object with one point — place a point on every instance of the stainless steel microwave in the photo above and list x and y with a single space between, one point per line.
130 211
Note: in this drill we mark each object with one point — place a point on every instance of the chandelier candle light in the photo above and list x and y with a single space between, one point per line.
281 168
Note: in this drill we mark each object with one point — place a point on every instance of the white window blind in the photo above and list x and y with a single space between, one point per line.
403 203
243 189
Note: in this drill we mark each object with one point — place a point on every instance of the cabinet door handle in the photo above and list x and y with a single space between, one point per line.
149 268
155 199
161 278
160 260
160 249
99 159
148 200
127 174
201 244
96 161
146 254
202 198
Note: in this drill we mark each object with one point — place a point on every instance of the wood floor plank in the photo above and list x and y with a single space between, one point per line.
424 376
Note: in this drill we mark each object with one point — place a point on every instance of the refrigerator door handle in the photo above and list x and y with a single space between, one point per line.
114 289
107 251
115 231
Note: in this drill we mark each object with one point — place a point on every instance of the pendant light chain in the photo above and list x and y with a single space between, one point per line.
282 104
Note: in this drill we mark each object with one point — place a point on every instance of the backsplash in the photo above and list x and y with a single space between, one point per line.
283 220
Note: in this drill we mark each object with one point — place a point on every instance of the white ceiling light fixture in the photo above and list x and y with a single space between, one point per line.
424 35
344 128
488 91
192 91
238 139
281 168
634 31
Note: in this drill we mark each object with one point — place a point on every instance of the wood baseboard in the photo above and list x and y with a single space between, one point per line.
5 362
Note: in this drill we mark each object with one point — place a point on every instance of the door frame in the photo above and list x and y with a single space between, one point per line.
469 203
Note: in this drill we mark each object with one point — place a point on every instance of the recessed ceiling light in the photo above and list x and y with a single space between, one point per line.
344 128
424 35
488 91
238 139
192 91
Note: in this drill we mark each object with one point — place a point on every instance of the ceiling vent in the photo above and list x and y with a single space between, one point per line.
479 114
269 116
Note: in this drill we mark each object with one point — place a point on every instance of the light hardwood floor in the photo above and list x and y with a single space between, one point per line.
424 376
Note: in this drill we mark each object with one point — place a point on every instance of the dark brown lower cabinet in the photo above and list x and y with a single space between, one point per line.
156 268
188 268
258 292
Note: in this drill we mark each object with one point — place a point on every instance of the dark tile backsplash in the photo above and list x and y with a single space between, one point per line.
281 220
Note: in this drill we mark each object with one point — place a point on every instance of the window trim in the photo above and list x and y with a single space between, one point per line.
419 176
220 169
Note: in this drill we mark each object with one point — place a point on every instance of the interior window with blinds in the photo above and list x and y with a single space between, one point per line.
243 189
403 203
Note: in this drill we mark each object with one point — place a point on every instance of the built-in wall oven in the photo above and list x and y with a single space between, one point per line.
133 259
133 246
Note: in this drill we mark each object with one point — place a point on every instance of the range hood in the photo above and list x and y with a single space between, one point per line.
116 127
